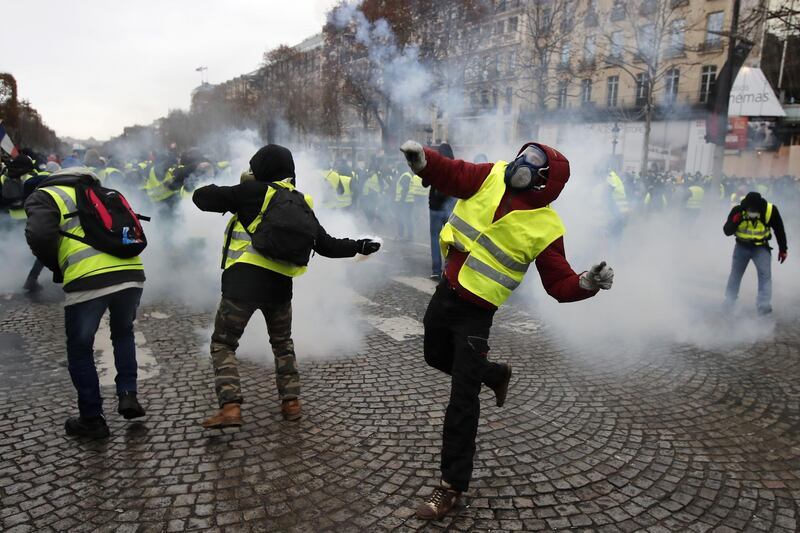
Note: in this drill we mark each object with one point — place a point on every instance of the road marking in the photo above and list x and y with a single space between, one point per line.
426 285
400 328
104 350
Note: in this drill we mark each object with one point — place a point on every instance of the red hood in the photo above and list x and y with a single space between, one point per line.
557 177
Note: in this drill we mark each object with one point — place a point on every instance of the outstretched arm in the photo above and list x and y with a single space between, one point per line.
558 278
453 177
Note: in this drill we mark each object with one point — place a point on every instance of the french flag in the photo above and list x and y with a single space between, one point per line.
6 143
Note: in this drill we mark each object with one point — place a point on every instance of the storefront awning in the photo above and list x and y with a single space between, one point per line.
752 96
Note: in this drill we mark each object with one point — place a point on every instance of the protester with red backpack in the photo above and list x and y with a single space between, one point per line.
90 238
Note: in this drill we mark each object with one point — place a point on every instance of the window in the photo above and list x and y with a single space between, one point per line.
642 88
545 19
714 29
501 6
565 51
509 98
612 90
586 91
589 48
512 61
646 38
677 36
513 24
708 77
562 94
617 42
671 80
501 25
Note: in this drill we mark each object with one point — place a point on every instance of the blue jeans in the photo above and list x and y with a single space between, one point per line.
762 258
438 219
81 321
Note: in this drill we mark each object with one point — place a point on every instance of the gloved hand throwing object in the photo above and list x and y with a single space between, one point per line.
598 277
415 155
368 246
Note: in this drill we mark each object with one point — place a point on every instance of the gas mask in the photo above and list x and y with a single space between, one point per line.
528 171
752 215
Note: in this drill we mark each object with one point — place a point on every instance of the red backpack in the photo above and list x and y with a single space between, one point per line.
109 223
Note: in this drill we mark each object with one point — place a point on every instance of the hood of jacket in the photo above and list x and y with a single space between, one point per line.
557 177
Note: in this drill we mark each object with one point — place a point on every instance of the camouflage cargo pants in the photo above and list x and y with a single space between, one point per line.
232 318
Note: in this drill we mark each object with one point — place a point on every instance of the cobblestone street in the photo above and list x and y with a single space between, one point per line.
677 439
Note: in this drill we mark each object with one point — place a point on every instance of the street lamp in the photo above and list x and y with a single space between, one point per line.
614 139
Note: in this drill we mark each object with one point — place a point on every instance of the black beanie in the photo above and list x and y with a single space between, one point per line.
272 163
22 164
753 200
446 150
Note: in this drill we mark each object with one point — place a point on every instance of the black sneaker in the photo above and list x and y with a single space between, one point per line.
92 427
501 390
129 406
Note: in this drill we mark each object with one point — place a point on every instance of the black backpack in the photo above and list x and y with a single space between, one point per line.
109 223
288 228
13 190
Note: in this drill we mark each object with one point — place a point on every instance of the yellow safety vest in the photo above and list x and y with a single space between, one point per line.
415 188
78 260
620 198
501 251
158 190
373 184
240 247
696 199
343 199
755 231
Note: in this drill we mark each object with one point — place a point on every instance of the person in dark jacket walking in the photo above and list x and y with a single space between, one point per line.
252 282
439 207
93 282
752 222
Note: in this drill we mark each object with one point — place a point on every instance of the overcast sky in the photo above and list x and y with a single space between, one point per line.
92 67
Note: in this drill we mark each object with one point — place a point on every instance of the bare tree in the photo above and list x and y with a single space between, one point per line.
649 46
545 59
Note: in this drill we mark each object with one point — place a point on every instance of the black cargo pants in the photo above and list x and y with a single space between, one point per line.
457 343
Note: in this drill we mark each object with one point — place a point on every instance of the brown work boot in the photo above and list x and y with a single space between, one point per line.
501 389
439 503
230 416
290 409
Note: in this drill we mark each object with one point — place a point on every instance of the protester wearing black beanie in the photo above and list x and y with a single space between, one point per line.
272 163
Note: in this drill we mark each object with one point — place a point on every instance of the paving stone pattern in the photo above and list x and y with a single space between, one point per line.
675 439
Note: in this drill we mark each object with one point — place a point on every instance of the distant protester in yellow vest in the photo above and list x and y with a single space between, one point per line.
501 224
263 250
752 222
94 281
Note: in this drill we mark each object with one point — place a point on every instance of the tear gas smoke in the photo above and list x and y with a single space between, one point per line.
183 258
670 272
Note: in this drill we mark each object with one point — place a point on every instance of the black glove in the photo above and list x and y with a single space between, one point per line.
368 246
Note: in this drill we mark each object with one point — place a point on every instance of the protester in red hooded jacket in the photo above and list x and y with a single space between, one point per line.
501 223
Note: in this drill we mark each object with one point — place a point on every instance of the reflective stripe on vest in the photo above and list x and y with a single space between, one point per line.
756 231
500 251
77 259
240 249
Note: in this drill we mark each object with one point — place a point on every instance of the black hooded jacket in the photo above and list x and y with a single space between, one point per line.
756 202
248 282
